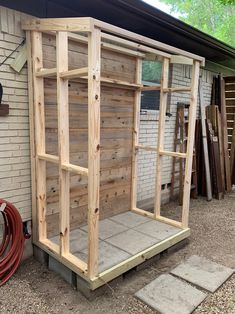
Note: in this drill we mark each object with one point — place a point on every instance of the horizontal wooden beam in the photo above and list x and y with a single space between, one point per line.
46 72
173 154
138 46
74 73
48 157
144 40
73 168
150 88
147 148
80 24
177 89
168 221
181 60
142 212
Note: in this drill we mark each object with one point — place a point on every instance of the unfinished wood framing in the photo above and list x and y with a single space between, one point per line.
83 111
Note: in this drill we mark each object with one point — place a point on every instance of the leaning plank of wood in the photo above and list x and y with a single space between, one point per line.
232 152
221 148
225 135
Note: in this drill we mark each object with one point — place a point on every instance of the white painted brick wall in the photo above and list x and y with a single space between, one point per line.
181 75
15 185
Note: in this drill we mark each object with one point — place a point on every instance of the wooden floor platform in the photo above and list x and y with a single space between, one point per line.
125 238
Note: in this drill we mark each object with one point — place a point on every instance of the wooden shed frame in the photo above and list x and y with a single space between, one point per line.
98 35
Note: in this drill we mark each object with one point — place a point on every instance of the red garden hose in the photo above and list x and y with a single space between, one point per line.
11 249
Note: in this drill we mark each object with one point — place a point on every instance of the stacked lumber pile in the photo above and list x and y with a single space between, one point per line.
219 137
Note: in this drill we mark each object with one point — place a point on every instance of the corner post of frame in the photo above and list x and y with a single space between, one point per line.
161 130
39 111
63 139
32 137
138 79
190 143
94 69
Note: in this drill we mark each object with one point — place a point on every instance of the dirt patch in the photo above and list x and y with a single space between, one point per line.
35 289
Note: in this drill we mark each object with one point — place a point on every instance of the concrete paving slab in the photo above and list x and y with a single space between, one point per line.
78 240
157 229
108 256
129 219
202 272
168 295
132 241
108 228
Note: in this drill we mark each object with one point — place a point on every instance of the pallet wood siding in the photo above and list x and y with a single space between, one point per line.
117 105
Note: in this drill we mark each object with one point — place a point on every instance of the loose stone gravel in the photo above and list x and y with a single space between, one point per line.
36 290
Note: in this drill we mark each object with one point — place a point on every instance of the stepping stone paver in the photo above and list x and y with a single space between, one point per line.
203 273
170 295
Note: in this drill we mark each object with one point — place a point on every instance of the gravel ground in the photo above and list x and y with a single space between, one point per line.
35 289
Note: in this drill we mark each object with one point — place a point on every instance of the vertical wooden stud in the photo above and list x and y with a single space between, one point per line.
38 88
32 138
161 129
190 142
94 56
63 139
136 134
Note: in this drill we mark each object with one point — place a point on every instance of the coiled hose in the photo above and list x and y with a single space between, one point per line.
11 249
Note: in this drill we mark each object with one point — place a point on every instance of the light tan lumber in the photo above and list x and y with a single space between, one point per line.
149 88
35 220
74 73
81 24
123 50
137 259
173 154
137 103
144 40
20 59
63 140
181 60
169 221
190 143
161 129
105 45
131 44
205 144
53 249
142 212
76 169
49 157
147 148
94 65
38 89
119 82
177 89
46 72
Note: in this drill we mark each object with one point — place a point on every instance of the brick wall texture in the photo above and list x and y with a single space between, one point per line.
15 179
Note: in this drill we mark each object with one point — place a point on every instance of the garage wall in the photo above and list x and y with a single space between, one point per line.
14 128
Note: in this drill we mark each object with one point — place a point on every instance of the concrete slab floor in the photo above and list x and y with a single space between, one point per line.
108 228
132 241
108 256
203 272
169 295
157 229
129 219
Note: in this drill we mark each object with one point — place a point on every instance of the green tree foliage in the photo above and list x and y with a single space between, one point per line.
214 17
152 71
